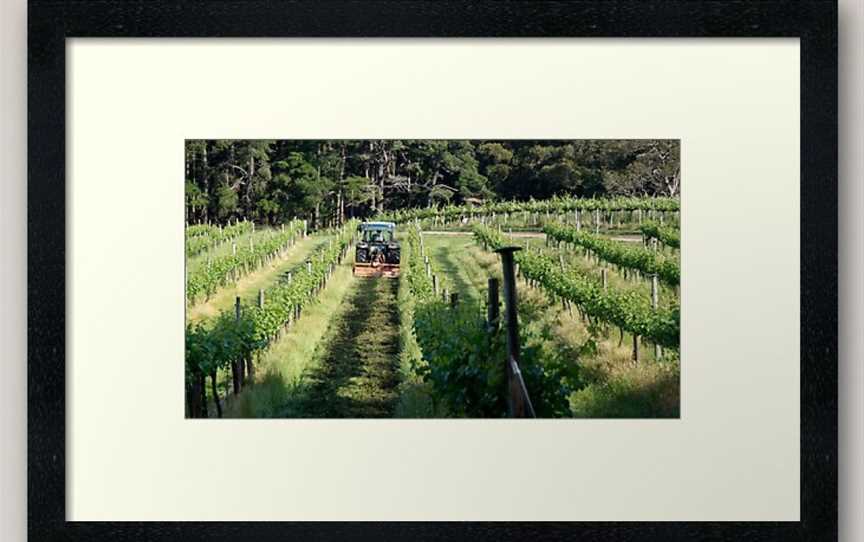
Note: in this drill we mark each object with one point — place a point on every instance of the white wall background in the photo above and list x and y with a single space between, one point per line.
13 270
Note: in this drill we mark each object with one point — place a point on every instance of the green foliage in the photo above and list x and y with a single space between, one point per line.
205 280
646 391
203 237
554 205
627 310
639 258
668 236
270 180
226 202
464 361
284 297
215 344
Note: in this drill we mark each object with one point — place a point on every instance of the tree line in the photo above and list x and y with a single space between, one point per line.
329 181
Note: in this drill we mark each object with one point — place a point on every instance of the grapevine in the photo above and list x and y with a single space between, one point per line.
216 344
667 236
557 204
627 310
220 271
626 256
203 237
464 361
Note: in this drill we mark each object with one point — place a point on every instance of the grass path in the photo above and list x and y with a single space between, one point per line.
281 368
248 286
449 254
357 372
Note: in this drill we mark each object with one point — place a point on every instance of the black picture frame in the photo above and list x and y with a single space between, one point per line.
51 22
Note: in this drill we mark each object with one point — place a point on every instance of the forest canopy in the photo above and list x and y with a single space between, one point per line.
328 181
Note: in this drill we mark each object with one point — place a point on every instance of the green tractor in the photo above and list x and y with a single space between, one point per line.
377 253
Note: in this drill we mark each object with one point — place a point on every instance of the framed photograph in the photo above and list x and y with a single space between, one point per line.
401 270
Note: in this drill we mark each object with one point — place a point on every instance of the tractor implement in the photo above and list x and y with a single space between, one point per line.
390 271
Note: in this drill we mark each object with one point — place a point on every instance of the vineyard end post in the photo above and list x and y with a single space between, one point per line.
515 401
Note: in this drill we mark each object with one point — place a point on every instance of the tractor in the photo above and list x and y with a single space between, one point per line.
377 253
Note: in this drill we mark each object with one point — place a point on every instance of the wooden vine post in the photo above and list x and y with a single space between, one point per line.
236 374
655 301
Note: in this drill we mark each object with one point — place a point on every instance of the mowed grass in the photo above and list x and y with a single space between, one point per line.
615 386
354 373
247 287
280 369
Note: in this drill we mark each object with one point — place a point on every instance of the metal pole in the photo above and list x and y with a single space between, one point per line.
515 401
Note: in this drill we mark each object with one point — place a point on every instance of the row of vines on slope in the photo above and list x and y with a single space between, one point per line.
627 310
199 241
668 236
623 255
229 341
203 237
464 360
204 281
554 205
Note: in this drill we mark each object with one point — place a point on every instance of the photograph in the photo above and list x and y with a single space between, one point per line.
432 278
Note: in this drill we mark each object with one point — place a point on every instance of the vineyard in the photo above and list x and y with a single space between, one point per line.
584 323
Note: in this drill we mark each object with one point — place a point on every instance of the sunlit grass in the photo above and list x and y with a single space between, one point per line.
281 366
247 287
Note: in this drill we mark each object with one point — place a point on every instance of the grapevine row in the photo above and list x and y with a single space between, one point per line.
667 236
461 362
626 310
215 231
638 258
224 269
202 237
197 230
463 359
557 204
235 336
